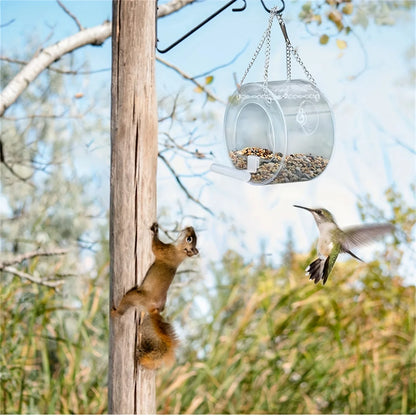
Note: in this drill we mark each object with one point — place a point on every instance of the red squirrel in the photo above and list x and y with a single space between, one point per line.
158 336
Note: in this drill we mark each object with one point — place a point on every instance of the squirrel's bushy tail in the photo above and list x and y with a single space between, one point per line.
158 342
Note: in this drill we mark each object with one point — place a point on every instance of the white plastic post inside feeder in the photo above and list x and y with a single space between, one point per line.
253 163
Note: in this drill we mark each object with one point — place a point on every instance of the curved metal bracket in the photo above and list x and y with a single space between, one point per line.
235 9
278 11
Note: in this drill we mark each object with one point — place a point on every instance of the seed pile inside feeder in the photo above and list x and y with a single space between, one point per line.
297 166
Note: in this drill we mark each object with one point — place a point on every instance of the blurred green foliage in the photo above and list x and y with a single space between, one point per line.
260 338
279 344
53 357
338 18
273 342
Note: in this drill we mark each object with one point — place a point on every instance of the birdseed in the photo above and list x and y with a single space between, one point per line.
295 167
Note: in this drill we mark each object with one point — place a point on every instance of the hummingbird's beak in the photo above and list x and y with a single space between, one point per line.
307 209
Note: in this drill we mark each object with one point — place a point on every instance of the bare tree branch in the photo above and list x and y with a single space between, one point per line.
58 70
10 169
7 23
172 7
189 78
211 71
74 18
31 255
182 186
174 145
92 36
33 279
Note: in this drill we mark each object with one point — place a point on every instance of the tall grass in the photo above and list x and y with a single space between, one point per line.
53 356
276 343
272 342
266 340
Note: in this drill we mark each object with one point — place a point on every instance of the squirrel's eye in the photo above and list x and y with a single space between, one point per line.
189 239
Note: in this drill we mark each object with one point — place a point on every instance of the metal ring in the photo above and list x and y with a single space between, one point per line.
278 11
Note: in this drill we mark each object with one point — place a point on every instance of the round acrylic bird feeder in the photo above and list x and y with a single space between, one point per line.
284 134
277 131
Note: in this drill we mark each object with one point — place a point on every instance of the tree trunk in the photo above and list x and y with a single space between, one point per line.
131 388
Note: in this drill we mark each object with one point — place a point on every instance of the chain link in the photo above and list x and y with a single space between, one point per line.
266 36
290 50
288 63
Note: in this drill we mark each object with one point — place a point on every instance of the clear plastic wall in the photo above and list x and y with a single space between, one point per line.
279 133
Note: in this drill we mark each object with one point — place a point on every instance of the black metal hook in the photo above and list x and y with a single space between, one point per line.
235 9
269 10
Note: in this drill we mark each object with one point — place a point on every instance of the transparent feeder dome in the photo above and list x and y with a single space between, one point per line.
279 133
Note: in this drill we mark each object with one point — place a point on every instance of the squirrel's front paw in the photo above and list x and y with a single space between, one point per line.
114 312
155 227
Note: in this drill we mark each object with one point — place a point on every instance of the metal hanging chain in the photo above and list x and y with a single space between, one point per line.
289 50
266 35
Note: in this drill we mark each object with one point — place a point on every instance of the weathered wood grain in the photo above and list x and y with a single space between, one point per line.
133 193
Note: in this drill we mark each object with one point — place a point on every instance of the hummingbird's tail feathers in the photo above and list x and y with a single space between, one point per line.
315 270
363 234
327 269
353 255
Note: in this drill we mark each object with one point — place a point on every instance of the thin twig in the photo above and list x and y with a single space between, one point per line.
211 71
58 70
10 169
33 279
172 7
195 153
33 116
7 23
72 16
189 78
31 255
182 186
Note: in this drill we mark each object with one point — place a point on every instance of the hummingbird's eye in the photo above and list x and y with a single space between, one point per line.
189 239
318 211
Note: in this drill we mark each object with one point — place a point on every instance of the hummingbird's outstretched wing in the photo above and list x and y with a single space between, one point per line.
364 234
321 267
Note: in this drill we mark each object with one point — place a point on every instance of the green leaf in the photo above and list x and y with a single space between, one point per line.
324 39
209 79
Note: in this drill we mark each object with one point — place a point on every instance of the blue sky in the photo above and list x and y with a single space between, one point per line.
372 111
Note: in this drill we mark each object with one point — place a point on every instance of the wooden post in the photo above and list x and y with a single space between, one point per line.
131 389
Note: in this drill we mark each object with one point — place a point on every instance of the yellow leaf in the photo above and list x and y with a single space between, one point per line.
348 8
317 18
209 79
336 17
341 44
198 89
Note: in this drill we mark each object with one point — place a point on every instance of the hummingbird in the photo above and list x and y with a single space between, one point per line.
333 241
